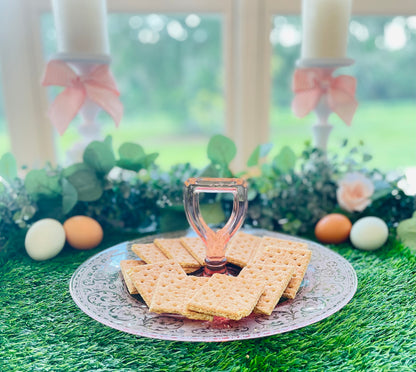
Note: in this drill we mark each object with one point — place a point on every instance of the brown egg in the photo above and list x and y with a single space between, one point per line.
83 232
334 228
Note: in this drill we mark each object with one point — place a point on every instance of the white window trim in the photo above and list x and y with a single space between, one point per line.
25 100
246 50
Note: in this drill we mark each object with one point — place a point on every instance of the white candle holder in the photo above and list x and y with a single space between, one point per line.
90 129
322 129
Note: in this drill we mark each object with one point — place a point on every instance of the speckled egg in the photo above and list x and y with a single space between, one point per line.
369 233
334 228
83 232
45 239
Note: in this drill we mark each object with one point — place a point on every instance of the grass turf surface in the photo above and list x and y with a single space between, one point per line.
41 328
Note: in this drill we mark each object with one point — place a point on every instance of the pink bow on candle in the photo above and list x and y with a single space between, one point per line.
311 83
98 85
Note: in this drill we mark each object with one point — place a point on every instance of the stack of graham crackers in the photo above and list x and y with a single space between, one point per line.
272 268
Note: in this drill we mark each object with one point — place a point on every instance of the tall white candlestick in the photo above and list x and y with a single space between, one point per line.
81 26
325 28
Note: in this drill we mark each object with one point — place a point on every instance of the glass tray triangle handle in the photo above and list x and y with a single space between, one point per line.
215 241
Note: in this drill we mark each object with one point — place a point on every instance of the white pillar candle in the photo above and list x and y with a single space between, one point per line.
325 28
81 26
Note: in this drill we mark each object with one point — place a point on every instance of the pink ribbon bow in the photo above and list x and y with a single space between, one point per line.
98 85
311 83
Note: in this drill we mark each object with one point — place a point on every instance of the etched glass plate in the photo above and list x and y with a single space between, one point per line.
98 289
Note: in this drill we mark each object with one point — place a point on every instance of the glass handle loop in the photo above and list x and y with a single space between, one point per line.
215 241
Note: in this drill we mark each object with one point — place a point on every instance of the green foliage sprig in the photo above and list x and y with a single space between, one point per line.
129 191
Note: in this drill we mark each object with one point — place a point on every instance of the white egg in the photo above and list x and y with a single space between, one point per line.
45 239
369 233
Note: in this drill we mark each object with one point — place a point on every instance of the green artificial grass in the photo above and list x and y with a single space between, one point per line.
41 328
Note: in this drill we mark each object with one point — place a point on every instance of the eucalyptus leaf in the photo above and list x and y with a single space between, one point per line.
129 165
406 231
367 157
131 151
259 152
221 150
109 142
8 167
254 158
226 172
69 196
285 160
100 157
85 181
150 159
132 157
39 183
210 171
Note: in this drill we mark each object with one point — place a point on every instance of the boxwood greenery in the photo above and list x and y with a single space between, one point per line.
128 191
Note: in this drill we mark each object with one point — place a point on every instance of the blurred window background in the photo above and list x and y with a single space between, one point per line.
384 50
186 74
170 72
5 145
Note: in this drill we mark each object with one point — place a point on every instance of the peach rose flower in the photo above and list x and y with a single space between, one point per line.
354 192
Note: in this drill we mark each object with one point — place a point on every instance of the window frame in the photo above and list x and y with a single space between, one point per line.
246 52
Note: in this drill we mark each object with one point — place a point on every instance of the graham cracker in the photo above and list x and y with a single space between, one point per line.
277 278
296 257
284 242
149 253
172 293
196 247
173 249
241 248
145 277
124 266
227 296
277 242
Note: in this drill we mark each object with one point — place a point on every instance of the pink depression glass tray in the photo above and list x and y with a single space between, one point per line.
98 289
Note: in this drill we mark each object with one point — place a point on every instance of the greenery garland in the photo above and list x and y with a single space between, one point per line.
130 192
